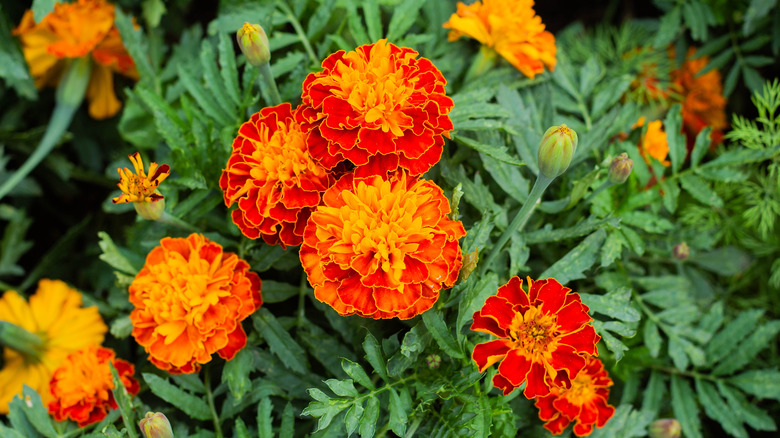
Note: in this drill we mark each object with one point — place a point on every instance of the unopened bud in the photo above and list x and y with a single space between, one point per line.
620 169
469 264
254 44
155 425
556 150
150 211
433 361
665 428
681 251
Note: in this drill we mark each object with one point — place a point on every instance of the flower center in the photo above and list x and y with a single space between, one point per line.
281 156
582 389
534 332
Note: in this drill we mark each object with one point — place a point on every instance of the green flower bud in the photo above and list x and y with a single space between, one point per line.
681 251
620 169
556 150
155 425
254 44
665 428
433 361
150 211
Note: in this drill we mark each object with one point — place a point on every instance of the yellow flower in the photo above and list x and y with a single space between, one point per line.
140 188
511 28
75 30
654 143
54 313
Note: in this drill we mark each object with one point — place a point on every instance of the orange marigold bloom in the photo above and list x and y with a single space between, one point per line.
380 107
74 30
654 143
703 103
543 335
54 313
272 177
381 248
82 385
140 186
190 298
585 402
511 28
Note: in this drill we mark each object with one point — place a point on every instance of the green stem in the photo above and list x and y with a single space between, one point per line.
483 61
166 218
302 302
298 30
268 77
18 339
517 224
210 399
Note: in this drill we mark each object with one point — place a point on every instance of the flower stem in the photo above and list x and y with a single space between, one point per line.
265 70
298 30
18 339
517 224
167 218
210 399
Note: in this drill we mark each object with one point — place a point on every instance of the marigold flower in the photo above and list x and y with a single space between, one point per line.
380 107
82 385
585 402
140 188
55 314
75 30
381 248
654 143
190 298
543 335
272 177
511 28
703 103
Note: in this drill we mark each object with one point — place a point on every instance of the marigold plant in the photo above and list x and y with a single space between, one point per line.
511 28
75 30
585 403
381 248
544 336
654 143
81 386
272 178
190 298
54 313
380 107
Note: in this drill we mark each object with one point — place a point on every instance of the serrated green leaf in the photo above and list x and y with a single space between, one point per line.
373 21
589 225
343 388
287 64
635 242
590 74
652 338
610 94
404 16
654 394
434 322
371 415
111 255
752 78
701 190
731 80
717 62
279 340
728 339
761 383
613 248
495 151
236 373
398 412
276 291
264 419
42 8
742 156
168 124
352 418
748 412
676 140
474 298
194 407
357 373
240 429
134 41
375 357
716 408
212 79
287 429
670 25
508 177
749 348
647 221
616 303
320 18
578 260
207 101
677 353
36 413
684 406
725 261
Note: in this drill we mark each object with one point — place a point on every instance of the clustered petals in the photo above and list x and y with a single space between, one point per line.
511 28
140 186
272 178
81 386
381 247
654 143
703 103
379 107
190 298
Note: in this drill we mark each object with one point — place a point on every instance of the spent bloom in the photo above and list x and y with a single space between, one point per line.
140 187
81 386
155 425
54 314
76 30
585 403
703 103
556 150
543 336
254 44
511 28
380 107
381 248
190 298
272 178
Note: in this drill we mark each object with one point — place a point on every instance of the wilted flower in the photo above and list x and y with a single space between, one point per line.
190 298
82 385
703 103
543 335
620 169
556 150
511 28
379 107
54 313
75 30
584 403
272 178
254 44
140 188
155 425
381 248
665 428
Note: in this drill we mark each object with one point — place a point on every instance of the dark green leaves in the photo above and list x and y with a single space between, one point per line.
279 340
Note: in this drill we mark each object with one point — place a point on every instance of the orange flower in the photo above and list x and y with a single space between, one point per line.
272 178
543 335
511 28
380 107
82 385
585 402
190 298
381 248
654 143
75 30
140 187
54 313
703 103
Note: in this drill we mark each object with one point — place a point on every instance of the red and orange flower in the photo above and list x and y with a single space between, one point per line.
190 298
511 28
381 248
75 30
544 336
82 385
272 177
379 107
654 143
585 402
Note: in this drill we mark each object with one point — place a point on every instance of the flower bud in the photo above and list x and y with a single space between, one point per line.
665 428
620 169
254 44
150 211
469 264
556 150
155 425
681 251
433 361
